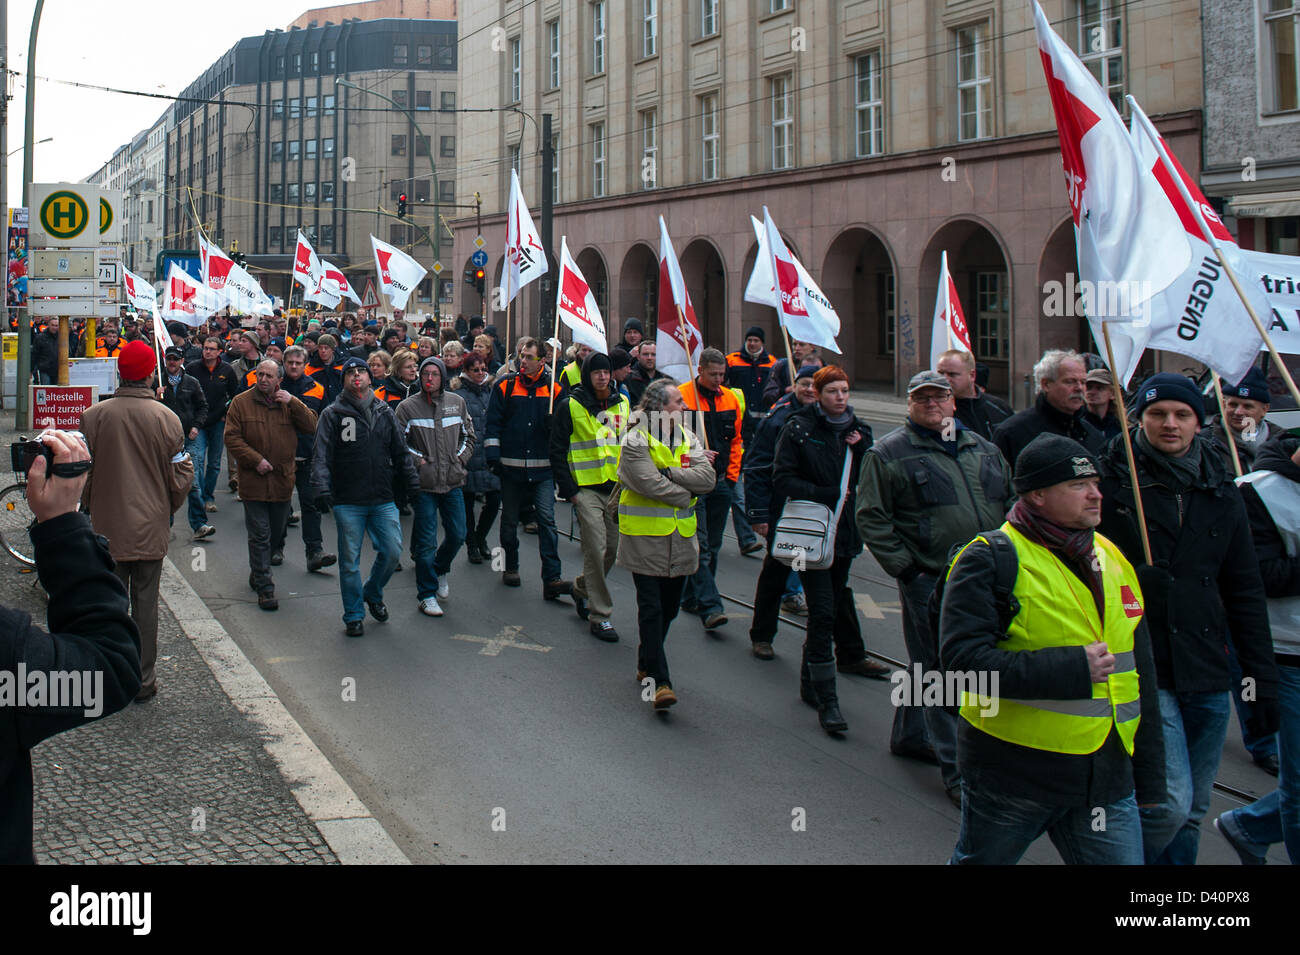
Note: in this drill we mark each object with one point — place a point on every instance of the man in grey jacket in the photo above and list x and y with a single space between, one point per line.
926 487
440 433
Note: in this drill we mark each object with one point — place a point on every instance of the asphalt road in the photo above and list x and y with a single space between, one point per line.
505 732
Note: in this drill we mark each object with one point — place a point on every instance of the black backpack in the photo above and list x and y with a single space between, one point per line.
1006 567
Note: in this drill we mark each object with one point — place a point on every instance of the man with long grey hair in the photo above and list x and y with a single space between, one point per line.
1058 409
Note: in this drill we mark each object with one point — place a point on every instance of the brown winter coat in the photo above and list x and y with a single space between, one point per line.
141 474
671 555
257 430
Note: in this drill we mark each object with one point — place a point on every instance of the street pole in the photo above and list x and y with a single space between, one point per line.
548 240
24 373
478 230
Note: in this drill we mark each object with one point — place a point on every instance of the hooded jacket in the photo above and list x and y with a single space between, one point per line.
439 434
584 393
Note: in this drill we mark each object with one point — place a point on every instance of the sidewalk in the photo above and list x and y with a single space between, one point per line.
211 770
879 406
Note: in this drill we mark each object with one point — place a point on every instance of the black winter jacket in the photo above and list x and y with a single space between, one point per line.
809 466
45 353
982 414
91 630
311 393
361 470
219 387
759 458
479 480
1012 435
1205 583
187 400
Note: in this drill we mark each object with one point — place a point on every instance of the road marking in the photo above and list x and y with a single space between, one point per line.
872 610
492 646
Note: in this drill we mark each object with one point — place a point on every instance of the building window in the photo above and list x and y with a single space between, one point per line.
447 99
329 61
294 148
422 190
776 6
598 37
649 148
327 107
708 17
1100 46
327 237
597 159
992 313
399 145
277 192
327 192
514 158
424 55
277 109
399 54
279 66
311 149
555 168
292 192
327 147
309 192
148 215
649 27
295 108
446 190
311 106
400 100
297 64
710 151
422 145
275 236
424 99
516 69
447 147
974 84
398 234
315 62
869 105
782 123
1282 59
553 54
277 151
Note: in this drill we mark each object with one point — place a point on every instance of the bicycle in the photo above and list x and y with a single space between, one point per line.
16 522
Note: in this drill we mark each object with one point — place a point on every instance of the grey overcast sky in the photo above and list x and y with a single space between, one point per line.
155 46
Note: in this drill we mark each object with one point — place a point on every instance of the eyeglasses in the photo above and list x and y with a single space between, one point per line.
929 400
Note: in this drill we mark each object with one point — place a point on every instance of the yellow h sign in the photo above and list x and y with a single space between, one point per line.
64 215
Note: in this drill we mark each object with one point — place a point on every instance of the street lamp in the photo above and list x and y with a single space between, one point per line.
433 169
47 139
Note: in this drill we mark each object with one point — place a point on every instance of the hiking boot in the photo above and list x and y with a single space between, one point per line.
266 600
277 558
664 697
604 630
763 650
865 667
354 628
318 559
556 588
510 578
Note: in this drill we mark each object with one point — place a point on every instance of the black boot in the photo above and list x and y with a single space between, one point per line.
828 703
472 552
806 692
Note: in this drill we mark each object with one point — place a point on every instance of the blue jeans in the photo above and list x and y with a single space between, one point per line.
197 515
431 561
514 492
207 462
700 595
793 585
1195 726
354 522
1276 817
997 828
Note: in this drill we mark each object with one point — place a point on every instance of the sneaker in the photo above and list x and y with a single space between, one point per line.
664 697
604 630
266 600
211 507
715 620
317 560
510 578
355 628
865 667
763 650
377 610
753 547
795 603
294 518
204 532
444 586
1240 846
277 558
429 607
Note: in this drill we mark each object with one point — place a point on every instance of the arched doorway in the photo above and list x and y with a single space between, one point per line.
858 279
592 266
1062 325
705 276
638 287
764 316
982 275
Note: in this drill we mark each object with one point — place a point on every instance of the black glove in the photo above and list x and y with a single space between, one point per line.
322 503
1265 718
495 466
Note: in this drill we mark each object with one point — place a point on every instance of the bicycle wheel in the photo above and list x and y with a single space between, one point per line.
16 520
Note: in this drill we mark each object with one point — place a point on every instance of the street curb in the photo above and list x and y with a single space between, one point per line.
352 832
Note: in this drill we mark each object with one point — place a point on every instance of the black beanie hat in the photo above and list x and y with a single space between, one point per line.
1051 459
618 358
596 362
1253 387
1167 386
757 332
633 324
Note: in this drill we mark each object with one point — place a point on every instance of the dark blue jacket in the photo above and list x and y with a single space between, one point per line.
358 453
519 426
759 458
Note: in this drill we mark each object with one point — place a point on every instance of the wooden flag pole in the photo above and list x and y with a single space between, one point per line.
695 377
556 360
509 343
1128 443
789 352
1227 428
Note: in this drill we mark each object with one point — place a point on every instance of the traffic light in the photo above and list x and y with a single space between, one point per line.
480 281
401 206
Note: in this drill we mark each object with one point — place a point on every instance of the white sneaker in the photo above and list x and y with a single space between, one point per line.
429 606
444 587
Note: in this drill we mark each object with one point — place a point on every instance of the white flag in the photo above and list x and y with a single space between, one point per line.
139 292
950 330
576 306
307 270
338 282
525 257
677 355
186 299
801 307
161 336
762 291
214 265
1279 276
399 274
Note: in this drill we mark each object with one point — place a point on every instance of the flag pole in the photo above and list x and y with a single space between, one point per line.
789 352
1213 243
690 364
555 335
1128 443
1227 429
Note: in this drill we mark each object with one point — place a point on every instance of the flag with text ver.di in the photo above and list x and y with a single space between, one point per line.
307 270
761 290
187 300
676 356
950 331
576 306
139 293
525 257
399 274
214 265
340 283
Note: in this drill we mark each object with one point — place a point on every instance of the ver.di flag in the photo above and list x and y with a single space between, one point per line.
822 324
338 282
399 274
186 299
676 356
139 293
525 257
307 270
950 330
244 294
576 306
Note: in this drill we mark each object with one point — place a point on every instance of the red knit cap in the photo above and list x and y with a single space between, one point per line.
136 361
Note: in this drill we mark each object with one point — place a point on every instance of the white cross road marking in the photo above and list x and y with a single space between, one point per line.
872 610
492 646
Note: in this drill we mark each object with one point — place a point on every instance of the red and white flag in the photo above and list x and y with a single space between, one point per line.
678 353
399 274
307 270
525 257
338 282
820 323
801 306
1199 315
161 336
1129 241
139 293
576 306
186 299
214 265
950 330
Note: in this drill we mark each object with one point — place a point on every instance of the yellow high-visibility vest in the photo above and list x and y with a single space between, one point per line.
1058 610
640 516
594 447
572 374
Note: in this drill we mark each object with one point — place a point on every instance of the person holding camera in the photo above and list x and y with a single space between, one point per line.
90 630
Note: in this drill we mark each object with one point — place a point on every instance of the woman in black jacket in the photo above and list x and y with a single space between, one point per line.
475 387
810 457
